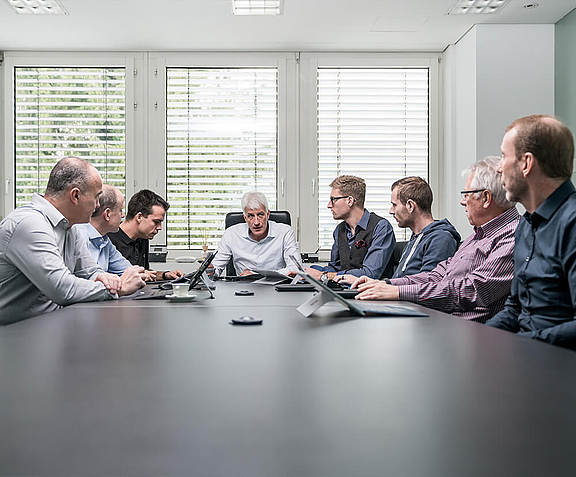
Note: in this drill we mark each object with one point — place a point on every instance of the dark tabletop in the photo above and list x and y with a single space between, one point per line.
155 388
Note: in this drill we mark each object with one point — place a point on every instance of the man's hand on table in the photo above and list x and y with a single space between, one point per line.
112 282
132 280
173 275
371 289
314 273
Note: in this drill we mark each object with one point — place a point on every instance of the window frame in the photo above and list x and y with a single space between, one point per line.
308 172
297 99
286 175
134 64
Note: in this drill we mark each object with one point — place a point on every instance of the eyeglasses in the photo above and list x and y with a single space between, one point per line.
334 199
466 193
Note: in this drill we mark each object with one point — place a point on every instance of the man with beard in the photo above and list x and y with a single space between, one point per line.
432 240
475 282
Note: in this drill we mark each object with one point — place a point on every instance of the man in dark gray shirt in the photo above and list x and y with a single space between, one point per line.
44 263
536 166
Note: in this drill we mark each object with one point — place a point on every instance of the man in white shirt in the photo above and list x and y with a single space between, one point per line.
44 263
105 219
258 244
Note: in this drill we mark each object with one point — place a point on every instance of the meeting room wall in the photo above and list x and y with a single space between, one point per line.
565 70
493 75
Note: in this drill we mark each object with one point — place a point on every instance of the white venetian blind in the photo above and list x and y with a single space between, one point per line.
372 123
221 141
63 112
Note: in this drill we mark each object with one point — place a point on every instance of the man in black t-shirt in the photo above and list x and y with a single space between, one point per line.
146 212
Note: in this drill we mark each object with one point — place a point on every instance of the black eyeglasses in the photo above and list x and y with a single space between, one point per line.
333 199
466 193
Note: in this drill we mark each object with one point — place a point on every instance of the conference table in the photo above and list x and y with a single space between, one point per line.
135 387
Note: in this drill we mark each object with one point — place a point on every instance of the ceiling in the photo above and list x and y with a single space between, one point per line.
305 25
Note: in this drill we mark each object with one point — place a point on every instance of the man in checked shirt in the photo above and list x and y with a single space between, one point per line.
475 282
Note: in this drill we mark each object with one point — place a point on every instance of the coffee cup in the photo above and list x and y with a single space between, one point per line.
180 289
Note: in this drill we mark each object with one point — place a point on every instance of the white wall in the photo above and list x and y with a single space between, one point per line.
514 78
493 75
459 126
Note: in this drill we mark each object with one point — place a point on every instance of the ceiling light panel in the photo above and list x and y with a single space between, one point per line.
37 7
256 7
475 7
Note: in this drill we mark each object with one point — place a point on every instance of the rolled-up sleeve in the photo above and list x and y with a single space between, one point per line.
289 250
223 254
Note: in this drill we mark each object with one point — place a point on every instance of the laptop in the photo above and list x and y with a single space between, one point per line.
270 277
301 285
326 294
192 278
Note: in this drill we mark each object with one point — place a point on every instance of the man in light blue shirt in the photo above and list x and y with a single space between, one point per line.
106 218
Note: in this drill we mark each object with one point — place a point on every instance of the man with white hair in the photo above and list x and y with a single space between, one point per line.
258 243
475 282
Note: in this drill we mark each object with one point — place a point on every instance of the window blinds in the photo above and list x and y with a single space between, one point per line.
372 123
63 112
221 141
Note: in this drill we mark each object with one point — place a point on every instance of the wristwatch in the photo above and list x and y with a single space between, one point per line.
324 277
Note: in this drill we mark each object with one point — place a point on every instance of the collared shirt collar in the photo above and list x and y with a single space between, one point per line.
272 231
496 223
92 232
547 208
52 213
94 236
363 223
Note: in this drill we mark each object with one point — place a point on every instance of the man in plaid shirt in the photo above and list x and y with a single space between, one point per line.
475 282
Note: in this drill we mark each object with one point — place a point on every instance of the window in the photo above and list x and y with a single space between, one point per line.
202 128
372 123
63 111
221 140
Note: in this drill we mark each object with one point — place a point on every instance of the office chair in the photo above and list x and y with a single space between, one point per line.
394 259
233 218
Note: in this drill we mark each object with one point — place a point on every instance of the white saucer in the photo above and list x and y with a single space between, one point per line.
184 299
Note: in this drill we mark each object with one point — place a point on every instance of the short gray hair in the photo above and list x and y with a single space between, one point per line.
254 200
108 200
487 177
68 173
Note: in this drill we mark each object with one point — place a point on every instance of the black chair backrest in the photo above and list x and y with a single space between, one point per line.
233 218
394 259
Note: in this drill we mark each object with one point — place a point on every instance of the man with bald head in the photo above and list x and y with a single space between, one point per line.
536 167
44 263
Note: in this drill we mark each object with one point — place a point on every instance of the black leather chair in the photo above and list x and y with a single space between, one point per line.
233 218
395 259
